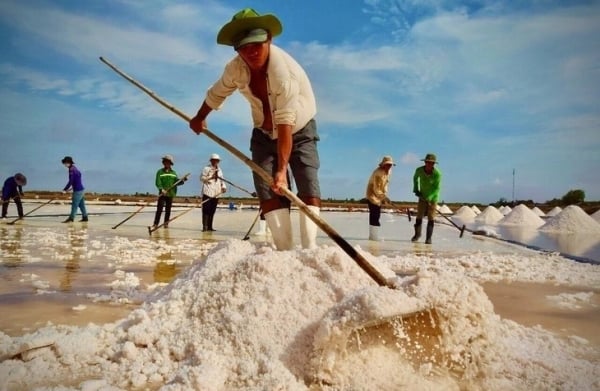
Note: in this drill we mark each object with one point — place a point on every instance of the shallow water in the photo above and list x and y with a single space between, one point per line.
88 272
66 273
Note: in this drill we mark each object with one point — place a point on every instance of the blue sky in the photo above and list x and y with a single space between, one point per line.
489 86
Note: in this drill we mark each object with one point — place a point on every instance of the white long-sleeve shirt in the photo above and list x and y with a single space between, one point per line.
291 96
212 187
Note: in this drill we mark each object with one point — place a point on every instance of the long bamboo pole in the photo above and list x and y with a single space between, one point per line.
181 180
30 212
351 251
153 228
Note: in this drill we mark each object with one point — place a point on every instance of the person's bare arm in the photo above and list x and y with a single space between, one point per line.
198 123
284 150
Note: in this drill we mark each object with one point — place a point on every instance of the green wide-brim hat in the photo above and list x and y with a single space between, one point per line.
430 157
244 21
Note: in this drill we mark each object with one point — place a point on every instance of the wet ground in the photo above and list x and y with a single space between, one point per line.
89 272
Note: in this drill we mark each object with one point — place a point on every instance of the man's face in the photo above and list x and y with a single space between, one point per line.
255 54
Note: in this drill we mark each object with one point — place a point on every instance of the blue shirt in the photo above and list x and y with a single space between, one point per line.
10 188
74 179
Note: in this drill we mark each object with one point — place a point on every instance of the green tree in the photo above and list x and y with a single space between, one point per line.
573 197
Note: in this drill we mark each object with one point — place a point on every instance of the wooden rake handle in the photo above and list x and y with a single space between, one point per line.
358 258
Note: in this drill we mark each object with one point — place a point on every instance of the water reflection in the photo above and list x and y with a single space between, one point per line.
519 234
578 245
421 249
10 246
165 272
76 239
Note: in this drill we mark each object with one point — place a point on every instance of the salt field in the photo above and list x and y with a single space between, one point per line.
89 307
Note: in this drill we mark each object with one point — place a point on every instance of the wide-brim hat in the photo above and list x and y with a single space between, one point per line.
214 156
67 159
430 157
169 158
20 179
387 160
243 22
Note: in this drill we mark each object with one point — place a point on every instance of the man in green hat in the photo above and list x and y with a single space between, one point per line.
283 108
426 186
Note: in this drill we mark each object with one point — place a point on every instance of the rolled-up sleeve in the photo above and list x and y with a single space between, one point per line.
233 75
287 99
293 101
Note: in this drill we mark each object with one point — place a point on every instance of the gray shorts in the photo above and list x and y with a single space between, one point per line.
304 161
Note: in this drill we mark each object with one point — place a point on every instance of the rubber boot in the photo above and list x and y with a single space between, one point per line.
204 223
4 208
280 224
374 232
429 231
210 223
262 228
308 229
418 223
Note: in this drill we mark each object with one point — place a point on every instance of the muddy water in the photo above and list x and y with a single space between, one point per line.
64 294
56 276
67 301
532 304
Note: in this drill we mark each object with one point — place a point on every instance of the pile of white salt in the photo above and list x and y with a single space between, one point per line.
572 219
253 318
521 215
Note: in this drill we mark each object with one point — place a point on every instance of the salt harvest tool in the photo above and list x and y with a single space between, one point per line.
181 180
152 229
30 212
399 209
461 229
351 251
252 194
247 236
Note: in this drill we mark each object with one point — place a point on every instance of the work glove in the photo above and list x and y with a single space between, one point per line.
163 192
254 194
223 190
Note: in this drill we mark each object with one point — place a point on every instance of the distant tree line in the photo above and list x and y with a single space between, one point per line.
572 197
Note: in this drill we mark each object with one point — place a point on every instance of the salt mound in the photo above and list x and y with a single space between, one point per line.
444 209
250 318
465 213
554 211
572 219
505 209
475 209
523 216
538 211
490 215
596 215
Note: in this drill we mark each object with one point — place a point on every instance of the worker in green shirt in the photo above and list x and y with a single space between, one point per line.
426 185
166 182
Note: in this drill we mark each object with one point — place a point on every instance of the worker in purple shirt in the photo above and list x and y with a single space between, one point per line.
75 183
13 188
